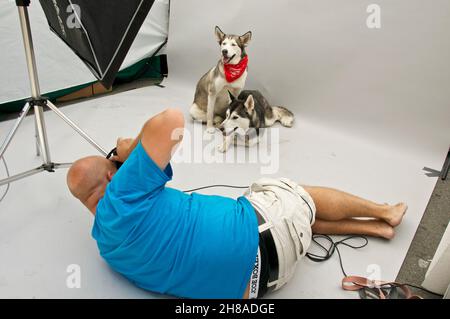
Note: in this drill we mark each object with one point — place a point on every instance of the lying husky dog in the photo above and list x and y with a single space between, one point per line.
246 114
211 98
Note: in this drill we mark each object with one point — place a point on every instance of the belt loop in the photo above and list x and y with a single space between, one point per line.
264 227
272 283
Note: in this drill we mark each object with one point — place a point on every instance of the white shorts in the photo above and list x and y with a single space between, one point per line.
289 212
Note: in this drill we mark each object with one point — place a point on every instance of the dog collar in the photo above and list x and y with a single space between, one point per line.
235 71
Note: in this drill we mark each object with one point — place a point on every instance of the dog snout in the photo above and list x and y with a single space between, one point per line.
224 52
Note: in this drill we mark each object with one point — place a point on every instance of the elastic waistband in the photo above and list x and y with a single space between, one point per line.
269 256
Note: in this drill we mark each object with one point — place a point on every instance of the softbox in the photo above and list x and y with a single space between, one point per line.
100 32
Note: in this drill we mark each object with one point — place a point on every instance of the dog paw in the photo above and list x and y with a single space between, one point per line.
222 148
288 122
217 120
210 130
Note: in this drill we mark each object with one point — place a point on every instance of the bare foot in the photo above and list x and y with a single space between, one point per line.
384 230
395 214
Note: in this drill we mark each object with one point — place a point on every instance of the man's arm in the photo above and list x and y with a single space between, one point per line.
159 137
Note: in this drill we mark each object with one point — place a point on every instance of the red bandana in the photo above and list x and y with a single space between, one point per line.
235 71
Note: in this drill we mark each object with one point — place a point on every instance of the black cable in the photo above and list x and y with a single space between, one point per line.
334 248
391 285
7 175
212 186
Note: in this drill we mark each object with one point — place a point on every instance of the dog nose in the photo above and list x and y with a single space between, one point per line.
224 52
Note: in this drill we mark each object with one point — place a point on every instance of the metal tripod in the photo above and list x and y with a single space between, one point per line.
38 103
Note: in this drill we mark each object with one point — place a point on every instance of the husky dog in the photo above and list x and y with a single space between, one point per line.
211 96
246 114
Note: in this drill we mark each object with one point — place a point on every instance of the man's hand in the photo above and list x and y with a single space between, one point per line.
124 148
159 136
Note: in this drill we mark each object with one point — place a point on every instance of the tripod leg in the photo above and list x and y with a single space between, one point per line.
76 128
36 136
22 175
42 133
13 131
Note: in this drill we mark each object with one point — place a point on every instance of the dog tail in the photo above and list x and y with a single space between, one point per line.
283 115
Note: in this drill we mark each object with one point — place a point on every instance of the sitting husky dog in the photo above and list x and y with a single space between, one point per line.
211 98
246 114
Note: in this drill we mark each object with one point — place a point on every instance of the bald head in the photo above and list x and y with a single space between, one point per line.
88 177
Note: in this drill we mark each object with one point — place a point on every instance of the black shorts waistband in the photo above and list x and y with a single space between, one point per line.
269 258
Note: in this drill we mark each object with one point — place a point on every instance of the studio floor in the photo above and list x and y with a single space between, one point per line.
44 230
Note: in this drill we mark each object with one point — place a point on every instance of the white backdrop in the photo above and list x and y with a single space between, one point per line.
58 67
390 85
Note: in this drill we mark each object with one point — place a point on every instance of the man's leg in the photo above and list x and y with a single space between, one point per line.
373 228
335 205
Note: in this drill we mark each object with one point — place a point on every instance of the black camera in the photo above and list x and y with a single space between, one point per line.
113 152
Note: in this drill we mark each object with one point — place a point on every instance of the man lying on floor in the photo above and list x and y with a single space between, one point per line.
199 246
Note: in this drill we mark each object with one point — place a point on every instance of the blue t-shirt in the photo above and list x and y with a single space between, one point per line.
166 241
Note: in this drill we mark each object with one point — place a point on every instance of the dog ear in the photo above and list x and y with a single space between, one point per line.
250 103
232 97
245 39
219 35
